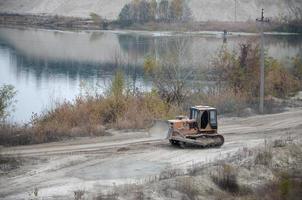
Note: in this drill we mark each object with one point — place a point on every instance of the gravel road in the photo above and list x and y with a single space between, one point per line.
94 164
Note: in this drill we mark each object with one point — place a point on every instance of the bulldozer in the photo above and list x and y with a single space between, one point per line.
200 128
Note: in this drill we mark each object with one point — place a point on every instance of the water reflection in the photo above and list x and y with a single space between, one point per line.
49 65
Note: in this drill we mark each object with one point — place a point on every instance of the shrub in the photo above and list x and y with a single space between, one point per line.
99 21
279 82
142 11
225 100
239 71
79 194
9 163
297 67
285 187
264 158
226 178
7 94
188 187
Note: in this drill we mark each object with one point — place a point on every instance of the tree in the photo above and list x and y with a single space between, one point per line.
7 94
176 10
163 10
297 68
125 15
186 13
144 11
171 75
279 82
153 10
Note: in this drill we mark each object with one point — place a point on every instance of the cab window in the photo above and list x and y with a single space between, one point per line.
213 117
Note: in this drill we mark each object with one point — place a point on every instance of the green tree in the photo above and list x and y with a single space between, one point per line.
176 10
118 85
279 82
7 94
163 10
297 67
144 11
125 15
153 10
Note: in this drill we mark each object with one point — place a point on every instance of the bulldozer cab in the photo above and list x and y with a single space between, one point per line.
205 117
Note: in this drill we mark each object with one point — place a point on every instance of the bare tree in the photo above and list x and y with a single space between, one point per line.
172 74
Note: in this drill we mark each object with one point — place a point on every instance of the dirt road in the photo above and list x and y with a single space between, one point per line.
94 164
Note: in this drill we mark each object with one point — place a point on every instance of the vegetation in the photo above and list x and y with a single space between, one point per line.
237 73
226 178
279 81
142 11
90 114
171 75
297 68
235 177
7 94
290 23
176 87
99 21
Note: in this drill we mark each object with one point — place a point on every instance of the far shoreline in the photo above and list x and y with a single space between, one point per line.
63 23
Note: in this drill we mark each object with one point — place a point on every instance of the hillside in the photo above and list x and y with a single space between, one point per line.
203 10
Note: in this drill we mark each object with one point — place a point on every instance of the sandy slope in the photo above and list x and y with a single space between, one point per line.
203 10
92 164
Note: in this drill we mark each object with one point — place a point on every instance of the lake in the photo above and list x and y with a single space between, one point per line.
48 66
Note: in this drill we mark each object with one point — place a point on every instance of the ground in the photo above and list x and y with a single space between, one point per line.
62 170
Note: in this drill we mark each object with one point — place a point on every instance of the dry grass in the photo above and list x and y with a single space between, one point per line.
9 163
226 178
285 187
225 100
89 116
79 194
188 187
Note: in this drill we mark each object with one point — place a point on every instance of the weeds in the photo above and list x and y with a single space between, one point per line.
188 186
169 173
226 178
9 163
90 115
264 158
79 194
285 187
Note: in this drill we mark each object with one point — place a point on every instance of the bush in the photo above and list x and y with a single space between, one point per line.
279 82
188 187
297 68
7 94
239 72
285 187
264 158
225 100
226 178
90 115
142 11
99 21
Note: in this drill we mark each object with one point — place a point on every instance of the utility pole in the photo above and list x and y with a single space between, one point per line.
262 20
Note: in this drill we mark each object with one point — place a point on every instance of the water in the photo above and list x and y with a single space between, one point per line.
49 66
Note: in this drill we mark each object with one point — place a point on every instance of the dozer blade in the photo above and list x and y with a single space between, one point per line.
159 130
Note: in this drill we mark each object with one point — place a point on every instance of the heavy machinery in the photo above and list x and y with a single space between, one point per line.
199 129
